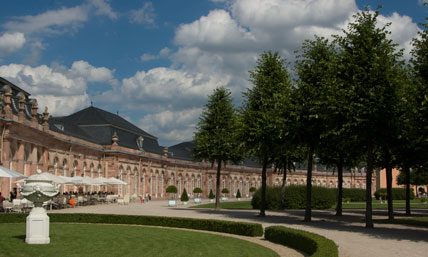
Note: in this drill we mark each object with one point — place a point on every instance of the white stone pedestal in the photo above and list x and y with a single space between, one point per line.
37 227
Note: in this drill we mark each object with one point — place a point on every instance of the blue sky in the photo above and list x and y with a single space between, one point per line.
156 62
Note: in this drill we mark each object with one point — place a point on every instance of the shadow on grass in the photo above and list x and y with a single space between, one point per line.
351 221
20 237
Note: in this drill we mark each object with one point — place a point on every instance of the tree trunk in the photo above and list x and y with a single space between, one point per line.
369 211
407 171
339 186
389 190
308 210
284 181
263 200
217 186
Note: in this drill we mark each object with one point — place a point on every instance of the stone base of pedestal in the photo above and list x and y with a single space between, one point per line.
37 227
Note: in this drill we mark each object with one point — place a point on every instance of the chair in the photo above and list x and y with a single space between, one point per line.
16 206
7 206
126 199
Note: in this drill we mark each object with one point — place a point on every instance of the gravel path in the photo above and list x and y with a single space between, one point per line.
348 231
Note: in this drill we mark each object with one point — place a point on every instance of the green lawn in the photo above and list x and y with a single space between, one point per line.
418 222
246 205
238 205
122 240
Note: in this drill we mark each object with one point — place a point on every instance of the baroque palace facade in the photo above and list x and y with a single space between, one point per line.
96 143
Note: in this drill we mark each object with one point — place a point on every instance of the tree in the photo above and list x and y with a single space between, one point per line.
184 196
215 138
314 67
261 115
369 62
172 190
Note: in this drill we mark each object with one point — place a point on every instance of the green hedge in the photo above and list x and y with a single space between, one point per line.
397 193
238 228
353 194
310 243
295 198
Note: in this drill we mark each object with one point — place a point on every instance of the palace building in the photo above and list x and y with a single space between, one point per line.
96 143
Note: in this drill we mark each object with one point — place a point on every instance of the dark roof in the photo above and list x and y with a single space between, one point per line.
98 126
183 151
15 89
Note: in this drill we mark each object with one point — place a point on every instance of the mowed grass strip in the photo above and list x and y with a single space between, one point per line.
239 205
123 240
246 205
417 222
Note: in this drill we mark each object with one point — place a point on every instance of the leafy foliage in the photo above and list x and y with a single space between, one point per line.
238 194
211 195
171 189
310 243
397 193
295 198
238 228
197 190
225 191
184 197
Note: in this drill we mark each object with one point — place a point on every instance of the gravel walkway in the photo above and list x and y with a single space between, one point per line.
348 231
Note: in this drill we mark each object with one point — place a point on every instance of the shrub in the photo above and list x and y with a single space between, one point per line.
346 199
171 189
225 191
397 193
197 190
238 194
295 198
253 189
211 195
354 194
310 243
184 196
238 228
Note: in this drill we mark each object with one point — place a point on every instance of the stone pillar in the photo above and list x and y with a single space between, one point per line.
34 108
7 101
45 119
20 157
21 114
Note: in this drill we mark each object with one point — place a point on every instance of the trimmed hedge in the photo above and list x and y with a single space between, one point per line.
238 228
295 198
397 193
310 243
354 194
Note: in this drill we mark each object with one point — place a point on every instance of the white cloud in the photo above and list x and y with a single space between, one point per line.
164 52
148 57
91 73
144 15
103 8
52 21
172 126
62 89
10 42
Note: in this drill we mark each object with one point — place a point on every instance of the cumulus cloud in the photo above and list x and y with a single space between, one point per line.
62 89
103 8
52 21
144 15
163 53
172 126
148 57
10 42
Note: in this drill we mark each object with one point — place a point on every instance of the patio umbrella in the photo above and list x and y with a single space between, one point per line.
7 173
115 181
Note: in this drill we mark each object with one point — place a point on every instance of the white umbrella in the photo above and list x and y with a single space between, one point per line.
115 181
103 180
7 173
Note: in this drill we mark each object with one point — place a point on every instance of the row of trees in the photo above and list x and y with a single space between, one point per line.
354 100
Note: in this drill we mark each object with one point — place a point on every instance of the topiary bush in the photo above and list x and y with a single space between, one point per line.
225 191
253 189
197 190
184 196
238 194
354 194
295 198
397 193
310 243
238 228
211 195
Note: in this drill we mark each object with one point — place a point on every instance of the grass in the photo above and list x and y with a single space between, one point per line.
119 240
238 205
398 204
418 222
